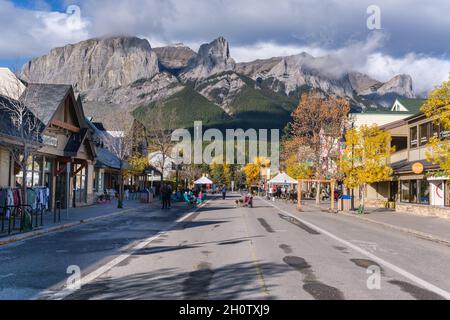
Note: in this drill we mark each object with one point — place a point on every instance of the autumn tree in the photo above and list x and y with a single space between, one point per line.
252 173
317 126
298 170
365 158
437 108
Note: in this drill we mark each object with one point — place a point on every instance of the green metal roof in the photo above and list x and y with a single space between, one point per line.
413 105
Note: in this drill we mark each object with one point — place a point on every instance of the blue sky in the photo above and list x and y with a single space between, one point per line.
413 38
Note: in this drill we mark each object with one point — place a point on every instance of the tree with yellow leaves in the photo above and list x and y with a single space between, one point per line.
298 170
253 173
365 159
437 108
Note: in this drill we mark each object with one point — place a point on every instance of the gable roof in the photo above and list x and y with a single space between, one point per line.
10 85
7 127
413 105
44 99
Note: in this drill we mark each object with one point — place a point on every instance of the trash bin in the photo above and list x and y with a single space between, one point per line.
345 203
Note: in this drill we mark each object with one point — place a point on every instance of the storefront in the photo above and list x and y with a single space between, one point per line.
65 163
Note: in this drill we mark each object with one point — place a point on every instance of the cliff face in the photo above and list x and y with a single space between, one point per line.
95 63
174 57
212 58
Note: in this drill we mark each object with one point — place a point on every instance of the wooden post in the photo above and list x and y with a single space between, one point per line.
332 196
300 186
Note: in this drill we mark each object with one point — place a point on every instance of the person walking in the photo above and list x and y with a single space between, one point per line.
169 192
164 197
224 192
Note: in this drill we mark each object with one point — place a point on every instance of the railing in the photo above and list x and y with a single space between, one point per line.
16 217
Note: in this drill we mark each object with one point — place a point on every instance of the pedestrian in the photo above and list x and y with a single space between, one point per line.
224 192
169 192
164 196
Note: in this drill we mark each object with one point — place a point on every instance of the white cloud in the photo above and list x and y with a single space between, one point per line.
427 72
30 33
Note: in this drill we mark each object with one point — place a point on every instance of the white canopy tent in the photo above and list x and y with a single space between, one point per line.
203 181
283 180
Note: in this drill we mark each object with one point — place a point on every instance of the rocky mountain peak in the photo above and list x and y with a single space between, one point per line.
212 58
96 63
401 85
174 57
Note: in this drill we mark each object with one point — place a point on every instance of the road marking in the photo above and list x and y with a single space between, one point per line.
404 273
65 292
255 260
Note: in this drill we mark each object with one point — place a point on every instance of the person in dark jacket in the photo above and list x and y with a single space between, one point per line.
169 192
224 192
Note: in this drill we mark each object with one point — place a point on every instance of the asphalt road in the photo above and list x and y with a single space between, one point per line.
224 252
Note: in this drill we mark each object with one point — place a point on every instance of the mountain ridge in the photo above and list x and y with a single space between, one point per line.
128 71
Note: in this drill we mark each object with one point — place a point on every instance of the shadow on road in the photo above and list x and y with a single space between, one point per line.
228 282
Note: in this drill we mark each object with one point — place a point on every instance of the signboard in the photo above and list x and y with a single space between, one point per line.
445 134
418 168
50 141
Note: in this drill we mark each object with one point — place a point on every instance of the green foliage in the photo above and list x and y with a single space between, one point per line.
365 158
189 106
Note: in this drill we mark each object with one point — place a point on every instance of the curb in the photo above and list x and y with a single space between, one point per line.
42 232
419 234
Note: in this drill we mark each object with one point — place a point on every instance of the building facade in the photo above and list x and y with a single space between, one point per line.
417 186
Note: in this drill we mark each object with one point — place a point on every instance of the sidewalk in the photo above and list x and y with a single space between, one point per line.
430 228
76 217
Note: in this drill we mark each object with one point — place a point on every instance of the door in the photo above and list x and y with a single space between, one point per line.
60 191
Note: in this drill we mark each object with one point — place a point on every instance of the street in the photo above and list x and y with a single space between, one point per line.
223 252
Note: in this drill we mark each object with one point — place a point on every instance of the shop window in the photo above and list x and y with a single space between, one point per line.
424 194
80 185
405 191
38 173
424 133
435 130
414 137
413 188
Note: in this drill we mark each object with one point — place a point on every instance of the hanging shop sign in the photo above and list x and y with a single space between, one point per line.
50 141
418 168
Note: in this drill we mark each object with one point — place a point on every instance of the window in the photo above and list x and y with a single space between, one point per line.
413 137
80 185
405 191
424 195
424 134
413 186
435 130
38 173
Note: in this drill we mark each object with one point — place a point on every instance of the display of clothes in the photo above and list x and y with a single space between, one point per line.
10 197
37 198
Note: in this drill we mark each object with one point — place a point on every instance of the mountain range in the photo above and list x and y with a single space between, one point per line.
125 77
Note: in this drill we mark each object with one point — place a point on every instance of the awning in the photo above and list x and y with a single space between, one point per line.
283 179
202 181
